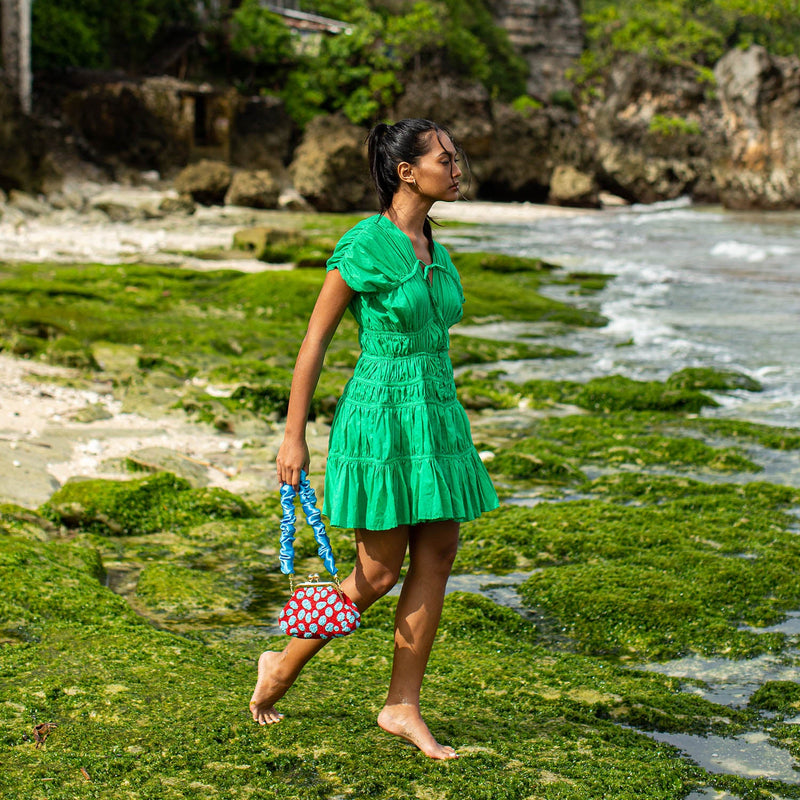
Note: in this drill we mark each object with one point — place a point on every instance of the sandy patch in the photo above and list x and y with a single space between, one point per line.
42 447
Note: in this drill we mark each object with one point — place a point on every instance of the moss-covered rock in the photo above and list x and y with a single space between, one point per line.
715 380
144 505
780 696
67 351
678 568
473 350
501 263
534 462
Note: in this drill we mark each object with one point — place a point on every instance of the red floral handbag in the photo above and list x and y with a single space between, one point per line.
317 609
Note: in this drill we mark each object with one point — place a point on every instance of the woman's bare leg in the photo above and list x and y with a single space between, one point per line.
432 548
379 558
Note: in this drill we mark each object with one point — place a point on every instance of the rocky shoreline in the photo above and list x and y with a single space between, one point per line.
650 134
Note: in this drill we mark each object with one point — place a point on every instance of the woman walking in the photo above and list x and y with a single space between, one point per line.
402 470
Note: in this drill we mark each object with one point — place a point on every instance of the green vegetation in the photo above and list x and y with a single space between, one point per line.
556 449
160 335
673 126
780 696
695 33
607 394
145 505
655 568
360 71
94 34
363 71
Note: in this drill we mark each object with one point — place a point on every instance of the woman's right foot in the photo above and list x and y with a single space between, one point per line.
269 689
404 720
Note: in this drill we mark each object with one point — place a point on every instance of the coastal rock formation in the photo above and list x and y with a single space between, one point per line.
525 149
207 182
144 125
262 134
548 34
571 187
22 147
650 132
760 102
330 166
254 189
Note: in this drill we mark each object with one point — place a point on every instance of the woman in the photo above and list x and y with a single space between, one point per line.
402 469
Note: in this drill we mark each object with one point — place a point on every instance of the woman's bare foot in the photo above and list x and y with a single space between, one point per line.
269 689
405 721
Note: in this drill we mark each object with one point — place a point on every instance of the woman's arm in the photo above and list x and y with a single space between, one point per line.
331 304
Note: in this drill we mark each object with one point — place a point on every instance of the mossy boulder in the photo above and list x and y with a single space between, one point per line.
253 189
183 592
709 379
618 393
534 463
780 696
145 505
501 262
67 351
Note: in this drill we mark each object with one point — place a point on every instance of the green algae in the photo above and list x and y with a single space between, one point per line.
473 350
150 714
780 696
149 690
708 379
152 703
623 439
676 568
603 395
143 505
617 393
512 292
773 437
587 283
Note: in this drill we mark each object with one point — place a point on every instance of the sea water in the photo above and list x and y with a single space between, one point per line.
692 286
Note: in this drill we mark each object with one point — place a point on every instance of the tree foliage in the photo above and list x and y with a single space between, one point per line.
97 34
363 71
689 32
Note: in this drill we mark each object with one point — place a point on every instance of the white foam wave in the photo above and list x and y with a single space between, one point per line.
748 252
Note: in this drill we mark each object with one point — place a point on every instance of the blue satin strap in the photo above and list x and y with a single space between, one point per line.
308 501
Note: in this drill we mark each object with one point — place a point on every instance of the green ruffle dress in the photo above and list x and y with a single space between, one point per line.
400 448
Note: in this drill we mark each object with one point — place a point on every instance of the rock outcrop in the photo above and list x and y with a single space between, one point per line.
653 132
571 187
143 125
254 189
23 152
330 166
760 102
206 182
548 34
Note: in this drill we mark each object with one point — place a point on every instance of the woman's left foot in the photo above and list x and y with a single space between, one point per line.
405 721
269 689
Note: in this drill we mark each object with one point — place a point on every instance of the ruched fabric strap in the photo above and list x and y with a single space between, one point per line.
308 501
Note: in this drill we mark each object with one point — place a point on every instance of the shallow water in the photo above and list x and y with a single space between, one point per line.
731 683
749 755
694 287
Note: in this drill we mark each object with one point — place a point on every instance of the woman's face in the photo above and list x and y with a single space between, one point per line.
436 173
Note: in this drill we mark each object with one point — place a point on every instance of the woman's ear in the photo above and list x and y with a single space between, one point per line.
405 173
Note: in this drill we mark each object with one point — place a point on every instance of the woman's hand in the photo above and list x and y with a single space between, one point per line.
293 456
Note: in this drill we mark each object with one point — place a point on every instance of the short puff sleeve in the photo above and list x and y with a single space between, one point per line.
369 260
